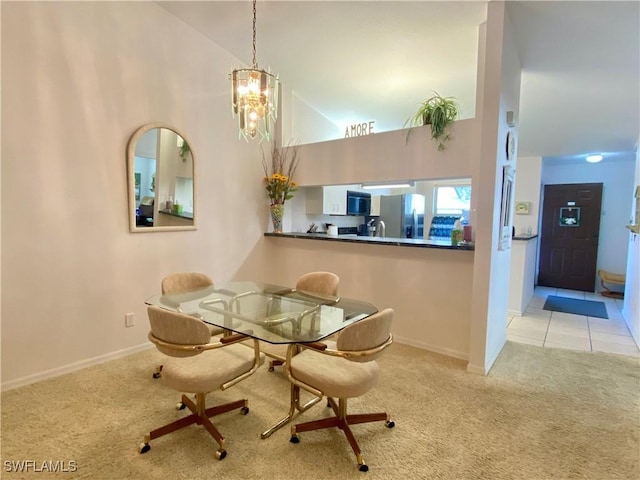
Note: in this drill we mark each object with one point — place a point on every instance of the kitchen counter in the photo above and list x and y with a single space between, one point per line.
525 236
398 242
183 214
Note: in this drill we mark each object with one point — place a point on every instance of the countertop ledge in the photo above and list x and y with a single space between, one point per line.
187 215
525 237
398 242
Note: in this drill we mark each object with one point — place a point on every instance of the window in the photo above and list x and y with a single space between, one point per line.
452 199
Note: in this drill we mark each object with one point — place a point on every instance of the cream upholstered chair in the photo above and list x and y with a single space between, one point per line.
185 282
319 285
199 365
343 369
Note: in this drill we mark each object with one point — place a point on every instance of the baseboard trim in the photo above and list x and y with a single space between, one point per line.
72 367
55 372
475 369
484 370
517 313
432 348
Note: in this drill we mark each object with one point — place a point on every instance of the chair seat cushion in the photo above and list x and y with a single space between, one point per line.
209 370
334 376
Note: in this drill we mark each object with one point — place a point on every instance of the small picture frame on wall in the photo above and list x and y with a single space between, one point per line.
522 208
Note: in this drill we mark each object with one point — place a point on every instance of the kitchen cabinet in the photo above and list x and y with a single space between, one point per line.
375 206
330 200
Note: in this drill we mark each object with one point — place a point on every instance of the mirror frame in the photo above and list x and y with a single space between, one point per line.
131 150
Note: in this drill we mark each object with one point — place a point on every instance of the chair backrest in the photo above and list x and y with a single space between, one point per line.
324 283
366 334
184 282
177 329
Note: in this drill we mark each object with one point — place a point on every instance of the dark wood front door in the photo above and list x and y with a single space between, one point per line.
569 236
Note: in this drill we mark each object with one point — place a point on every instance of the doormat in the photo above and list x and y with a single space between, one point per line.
588 308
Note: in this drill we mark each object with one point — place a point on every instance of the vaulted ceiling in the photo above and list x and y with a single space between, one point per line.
356 61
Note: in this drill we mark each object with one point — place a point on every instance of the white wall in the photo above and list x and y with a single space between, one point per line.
78 78
308 125
617 193
527 189
631 305
498 92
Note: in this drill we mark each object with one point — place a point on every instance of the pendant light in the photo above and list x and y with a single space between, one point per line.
254 97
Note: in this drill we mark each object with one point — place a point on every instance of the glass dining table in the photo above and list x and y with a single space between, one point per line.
269 313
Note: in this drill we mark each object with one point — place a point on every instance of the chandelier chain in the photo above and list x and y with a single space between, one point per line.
255 64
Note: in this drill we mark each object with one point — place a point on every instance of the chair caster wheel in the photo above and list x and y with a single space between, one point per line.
157 375
294 439
271 368
180 406
389 424
363 468
244 410
144 448
221 454
328 404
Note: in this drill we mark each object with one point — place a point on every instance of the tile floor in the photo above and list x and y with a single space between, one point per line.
564 330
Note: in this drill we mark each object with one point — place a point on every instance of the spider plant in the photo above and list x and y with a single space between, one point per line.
184 151
439 112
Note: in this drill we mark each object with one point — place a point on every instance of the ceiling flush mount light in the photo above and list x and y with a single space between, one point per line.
254 97
594 158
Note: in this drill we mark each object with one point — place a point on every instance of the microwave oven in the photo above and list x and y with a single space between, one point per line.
358 203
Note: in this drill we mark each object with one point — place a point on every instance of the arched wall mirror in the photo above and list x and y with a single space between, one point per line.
162 183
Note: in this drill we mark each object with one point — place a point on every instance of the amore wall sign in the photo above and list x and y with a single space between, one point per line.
359 129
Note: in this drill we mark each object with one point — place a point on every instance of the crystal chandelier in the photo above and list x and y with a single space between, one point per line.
254 97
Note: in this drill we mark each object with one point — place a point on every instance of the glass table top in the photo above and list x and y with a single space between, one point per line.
270 313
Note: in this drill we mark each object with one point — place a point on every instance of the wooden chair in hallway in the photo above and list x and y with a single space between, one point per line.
614 279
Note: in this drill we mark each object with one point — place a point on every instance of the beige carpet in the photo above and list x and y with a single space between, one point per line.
540 414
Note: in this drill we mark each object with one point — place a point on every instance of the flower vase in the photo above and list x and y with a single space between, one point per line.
277 212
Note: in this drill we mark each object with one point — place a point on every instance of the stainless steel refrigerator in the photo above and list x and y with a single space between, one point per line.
403 215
